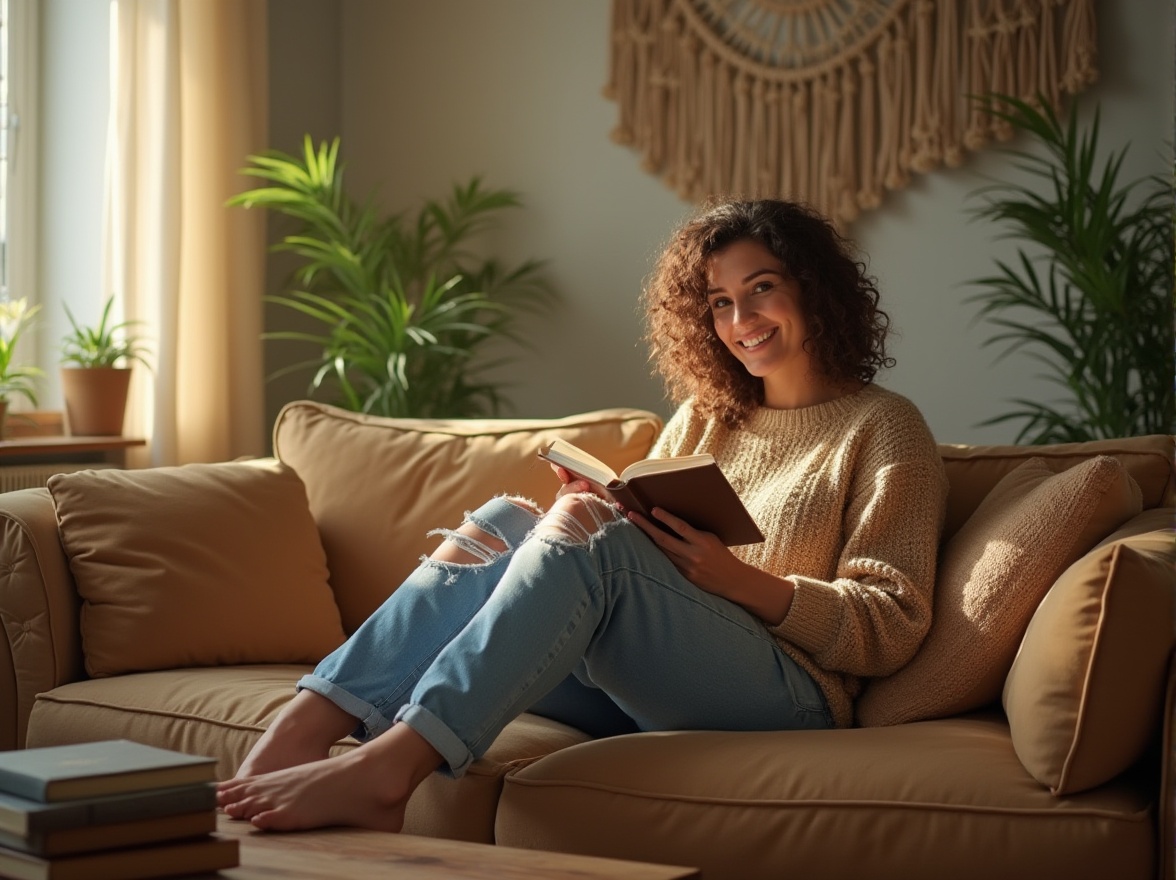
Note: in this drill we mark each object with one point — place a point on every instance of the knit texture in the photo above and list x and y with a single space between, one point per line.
850 496
994 572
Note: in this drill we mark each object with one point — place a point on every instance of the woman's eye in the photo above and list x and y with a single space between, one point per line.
762 287
719 302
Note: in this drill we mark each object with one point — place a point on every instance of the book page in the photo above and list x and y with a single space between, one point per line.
578 461
662 465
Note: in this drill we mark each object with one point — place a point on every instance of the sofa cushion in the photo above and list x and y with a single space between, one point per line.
972 471
1085 692
199 565
937 799
992 576
221 712
407 476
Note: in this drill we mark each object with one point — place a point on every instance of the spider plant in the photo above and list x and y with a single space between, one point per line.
1093 303
407 310
105 344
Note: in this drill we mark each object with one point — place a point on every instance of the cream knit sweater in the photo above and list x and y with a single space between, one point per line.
850 495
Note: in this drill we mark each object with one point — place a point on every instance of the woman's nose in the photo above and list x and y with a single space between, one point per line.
744 312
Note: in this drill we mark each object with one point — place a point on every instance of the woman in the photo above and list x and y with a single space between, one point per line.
761 320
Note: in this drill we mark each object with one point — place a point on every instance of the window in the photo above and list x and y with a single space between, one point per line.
18 147
6 120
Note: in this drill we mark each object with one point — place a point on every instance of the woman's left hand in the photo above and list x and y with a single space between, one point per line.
701 557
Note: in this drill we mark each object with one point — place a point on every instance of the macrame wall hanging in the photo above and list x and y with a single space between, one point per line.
831 101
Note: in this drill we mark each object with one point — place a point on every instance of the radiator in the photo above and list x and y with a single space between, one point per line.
35 476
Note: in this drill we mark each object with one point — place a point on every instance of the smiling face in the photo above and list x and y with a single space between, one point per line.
757 315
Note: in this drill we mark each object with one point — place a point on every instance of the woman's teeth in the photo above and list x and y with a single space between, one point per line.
757 340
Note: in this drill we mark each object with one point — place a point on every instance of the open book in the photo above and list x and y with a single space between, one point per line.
691 487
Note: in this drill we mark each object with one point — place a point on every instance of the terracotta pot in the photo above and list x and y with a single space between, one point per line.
95 400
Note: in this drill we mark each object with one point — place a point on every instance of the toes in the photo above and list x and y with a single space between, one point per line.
273 820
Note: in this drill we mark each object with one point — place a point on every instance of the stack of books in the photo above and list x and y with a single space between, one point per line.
114 810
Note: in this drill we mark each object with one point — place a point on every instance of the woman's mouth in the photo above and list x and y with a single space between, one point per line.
754 342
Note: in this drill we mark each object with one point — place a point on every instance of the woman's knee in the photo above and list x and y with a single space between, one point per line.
483 536
577 518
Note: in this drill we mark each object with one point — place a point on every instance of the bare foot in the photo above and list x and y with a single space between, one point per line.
334 791
304 731
368 787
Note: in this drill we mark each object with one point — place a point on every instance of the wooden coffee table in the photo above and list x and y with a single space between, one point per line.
333 853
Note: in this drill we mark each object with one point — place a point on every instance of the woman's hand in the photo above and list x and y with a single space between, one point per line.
569 484
701 557
710 565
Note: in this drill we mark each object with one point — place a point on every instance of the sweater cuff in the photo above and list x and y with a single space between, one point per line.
814 618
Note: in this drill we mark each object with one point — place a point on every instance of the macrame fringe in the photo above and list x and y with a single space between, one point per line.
841 132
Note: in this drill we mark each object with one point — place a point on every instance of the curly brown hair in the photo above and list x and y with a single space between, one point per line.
847 329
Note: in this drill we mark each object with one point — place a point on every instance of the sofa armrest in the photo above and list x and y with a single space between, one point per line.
39 609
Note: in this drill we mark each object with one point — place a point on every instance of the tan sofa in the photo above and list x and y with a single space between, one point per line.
1064 772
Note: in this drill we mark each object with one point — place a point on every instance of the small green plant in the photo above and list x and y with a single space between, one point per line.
1094 304
106 344
16 380
407 309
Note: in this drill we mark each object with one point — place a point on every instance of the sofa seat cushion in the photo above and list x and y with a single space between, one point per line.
935 799
221 711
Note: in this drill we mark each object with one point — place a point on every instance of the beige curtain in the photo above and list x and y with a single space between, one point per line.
189 104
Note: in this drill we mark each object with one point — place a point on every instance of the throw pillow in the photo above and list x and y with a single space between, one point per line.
377 485
992 575
199 565
1087 686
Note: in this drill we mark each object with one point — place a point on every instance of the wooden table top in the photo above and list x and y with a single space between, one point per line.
332 853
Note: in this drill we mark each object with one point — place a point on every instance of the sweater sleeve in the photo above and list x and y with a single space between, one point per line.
871 618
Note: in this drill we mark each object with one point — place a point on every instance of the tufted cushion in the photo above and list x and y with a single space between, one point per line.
992 574
199 565
1084 695
407 476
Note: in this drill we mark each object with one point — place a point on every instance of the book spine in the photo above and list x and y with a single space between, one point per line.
22 785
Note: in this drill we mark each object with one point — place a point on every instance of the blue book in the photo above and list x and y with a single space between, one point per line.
88 770
23 817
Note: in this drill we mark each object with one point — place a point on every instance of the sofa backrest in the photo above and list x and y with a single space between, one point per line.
384 483
972 471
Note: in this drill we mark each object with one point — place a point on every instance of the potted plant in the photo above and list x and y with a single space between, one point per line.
405 307
96 364
16 380
1090 293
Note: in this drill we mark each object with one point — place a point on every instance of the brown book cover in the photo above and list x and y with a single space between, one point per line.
691 487
186 857
62 773
93 838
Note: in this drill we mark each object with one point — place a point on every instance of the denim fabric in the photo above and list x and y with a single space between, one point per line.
458 651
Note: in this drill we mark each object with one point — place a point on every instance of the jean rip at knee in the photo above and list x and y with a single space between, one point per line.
486 535
577 520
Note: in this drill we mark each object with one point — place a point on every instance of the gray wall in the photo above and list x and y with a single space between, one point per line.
431 93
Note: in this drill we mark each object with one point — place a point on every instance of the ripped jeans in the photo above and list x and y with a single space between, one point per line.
568 625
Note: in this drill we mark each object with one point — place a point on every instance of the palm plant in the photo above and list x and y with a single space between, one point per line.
1094 305
407 309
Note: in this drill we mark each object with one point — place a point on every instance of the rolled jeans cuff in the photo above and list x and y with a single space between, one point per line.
452 750
371 722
